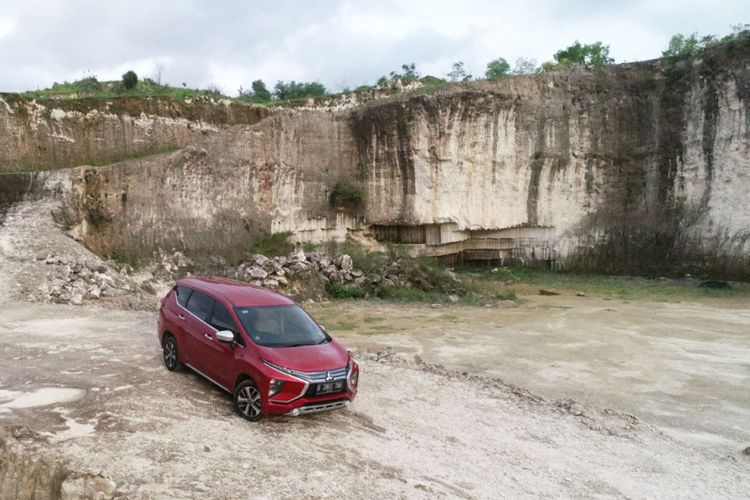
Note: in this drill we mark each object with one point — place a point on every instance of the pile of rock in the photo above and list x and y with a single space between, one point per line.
276 272
75 281
299 266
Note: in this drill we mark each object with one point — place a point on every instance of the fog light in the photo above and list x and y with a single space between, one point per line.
294 412
274 387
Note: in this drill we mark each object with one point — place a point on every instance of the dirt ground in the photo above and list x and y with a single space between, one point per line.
562 396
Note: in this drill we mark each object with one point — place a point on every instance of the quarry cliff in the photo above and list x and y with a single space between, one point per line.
635 168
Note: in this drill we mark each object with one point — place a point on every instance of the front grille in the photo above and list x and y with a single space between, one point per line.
321 376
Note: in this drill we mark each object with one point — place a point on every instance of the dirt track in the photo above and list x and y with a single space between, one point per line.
85 386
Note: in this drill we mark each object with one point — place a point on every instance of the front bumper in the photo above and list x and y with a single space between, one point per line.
297 397
320 407
303 406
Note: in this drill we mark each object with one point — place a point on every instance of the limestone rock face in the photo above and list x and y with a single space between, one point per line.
63 133
636 168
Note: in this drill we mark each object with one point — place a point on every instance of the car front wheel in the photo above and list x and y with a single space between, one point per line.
171 358
247 400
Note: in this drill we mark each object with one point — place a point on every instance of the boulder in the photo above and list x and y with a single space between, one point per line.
345 263
257 273
270 283
298 256
259 260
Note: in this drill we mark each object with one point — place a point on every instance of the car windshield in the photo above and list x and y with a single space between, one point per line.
280 326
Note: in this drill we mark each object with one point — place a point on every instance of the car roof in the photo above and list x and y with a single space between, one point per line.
239 293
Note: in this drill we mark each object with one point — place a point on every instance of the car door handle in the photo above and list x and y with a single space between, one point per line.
208 336
181 316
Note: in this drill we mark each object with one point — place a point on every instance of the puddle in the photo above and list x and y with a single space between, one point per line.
42 397
74 430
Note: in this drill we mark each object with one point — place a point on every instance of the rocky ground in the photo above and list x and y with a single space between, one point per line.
552 398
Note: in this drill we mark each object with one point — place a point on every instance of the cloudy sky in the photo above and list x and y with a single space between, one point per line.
337 42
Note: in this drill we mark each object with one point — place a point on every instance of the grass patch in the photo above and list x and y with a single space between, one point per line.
530 280
342 325
373 319
339 291
272 245
407 294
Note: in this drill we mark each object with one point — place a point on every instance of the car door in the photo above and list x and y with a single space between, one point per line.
177 314
220 355
199 333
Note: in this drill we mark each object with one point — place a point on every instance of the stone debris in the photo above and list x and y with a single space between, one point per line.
280 271
70 281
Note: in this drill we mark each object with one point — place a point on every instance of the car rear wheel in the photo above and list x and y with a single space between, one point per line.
171 358
247 400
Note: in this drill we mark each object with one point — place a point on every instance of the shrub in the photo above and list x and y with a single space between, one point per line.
498 68
339 291
347 194
272 245
129 80
89 83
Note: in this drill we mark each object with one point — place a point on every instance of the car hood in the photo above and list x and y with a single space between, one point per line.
308 358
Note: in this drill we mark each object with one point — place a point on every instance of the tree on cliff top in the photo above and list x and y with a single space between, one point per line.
261 91
689 45
525 67
298 90
458 73
129 80
498 68
596 54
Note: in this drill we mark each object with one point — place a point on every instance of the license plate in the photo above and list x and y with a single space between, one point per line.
329 387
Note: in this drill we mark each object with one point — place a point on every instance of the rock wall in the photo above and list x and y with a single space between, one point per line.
50 134
219 196
639 168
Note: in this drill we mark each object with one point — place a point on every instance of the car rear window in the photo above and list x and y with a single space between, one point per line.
200 305
183 294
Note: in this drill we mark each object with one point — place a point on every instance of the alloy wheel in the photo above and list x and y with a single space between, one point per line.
248 401
170 354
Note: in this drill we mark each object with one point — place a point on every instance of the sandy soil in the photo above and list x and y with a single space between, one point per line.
683 366
563 396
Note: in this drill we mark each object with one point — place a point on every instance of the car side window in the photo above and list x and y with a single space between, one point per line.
200 304
221 319
183 294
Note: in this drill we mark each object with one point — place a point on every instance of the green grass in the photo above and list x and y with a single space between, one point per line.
339 291
272 245
598 285
341 325
373 319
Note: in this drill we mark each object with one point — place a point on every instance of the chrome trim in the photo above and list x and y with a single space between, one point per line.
317 408
316 377
206 377
278 369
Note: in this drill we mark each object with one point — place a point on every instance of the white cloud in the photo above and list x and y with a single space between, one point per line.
338 42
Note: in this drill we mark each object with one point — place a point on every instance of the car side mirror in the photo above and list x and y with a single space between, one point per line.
225 336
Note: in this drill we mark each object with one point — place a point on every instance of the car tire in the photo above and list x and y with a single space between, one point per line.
171 354
247 401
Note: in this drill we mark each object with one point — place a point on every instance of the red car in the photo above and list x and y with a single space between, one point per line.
256 344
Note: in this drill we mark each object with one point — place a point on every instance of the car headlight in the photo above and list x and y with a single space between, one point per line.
274 387
352 374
